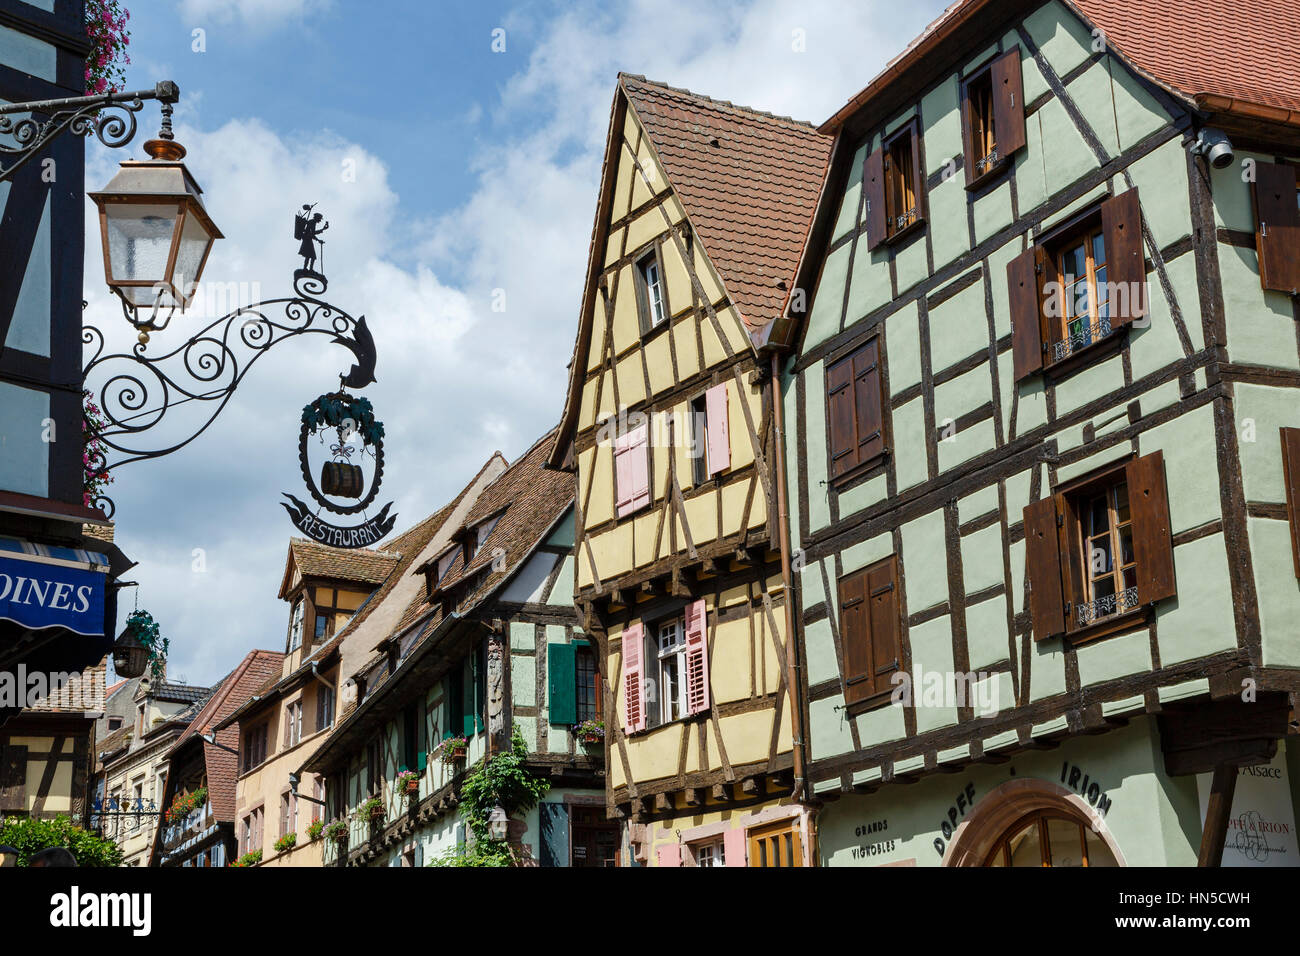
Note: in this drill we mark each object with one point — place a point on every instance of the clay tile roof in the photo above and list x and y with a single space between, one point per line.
1224 54
749 182
180 693
253 672
1238 50
361 565
526 499
115 741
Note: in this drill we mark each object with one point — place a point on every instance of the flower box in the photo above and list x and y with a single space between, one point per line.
454 750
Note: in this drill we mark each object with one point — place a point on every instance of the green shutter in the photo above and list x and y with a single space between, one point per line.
469 696
561 691
455 691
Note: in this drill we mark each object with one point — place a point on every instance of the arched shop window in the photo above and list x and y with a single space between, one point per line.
1050 838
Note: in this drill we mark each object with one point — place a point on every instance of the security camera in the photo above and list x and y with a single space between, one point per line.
1215 146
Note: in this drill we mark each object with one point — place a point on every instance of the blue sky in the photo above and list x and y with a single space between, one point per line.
476 173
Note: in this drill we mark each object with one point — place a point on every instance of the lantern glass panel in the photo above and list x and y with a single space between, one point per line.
139 242
195 242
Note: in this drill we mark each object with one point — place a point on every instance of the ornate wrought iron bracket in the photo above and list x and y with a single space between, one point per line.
110 117
135 392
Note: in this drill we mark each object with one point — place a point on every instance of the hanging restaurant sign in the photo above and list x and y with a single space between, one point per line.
36 594
346 426
137 392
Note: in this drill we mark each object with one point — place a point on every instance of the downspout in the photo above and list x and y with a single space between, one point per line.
316 674
787 582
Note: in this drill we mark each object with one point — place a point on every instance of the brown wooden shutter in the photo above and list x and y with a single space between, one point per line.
873 181
855 636
882 590
1043 569
1277 227
840 414
1024 297
867 401
1153 546
1008 104
1291 478
1121 225
13 778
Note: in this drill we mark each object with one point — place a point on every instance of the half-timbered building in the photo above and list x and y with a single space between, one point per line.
1043 453
43 510
670 427
198 797
339 608
488 647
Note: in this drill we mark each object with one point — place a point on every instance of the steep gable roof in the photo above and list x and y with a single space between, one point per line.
1228 55
252 672
1184 45
748 182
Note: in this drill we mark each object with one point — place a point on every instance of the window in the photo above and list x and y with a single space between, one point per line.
902 183
1277 226
632 470
1098 550
296 624
254 747
1050 839
285 813
139 720
892 180
115 723
672 668
869 631
324 707
1077 285
993 116
293 724
777 844
1085 307
666 669
588 684
710 440
854 403
445 561
252 832
573 683
374 766
650 290
137 803
1106 542
1291 483
710 854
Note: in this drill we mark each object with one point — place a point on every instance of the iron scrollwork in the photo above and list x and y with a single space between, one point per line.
136 392
109 117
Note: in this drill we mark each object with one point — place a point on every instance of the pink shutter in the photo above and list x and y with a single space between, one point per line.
733 847
715 402
639 452
632 470
633 697
623 474
670 855
697 658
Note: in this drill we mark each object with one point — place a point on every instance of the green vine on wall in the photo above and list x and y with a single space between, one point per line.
503 780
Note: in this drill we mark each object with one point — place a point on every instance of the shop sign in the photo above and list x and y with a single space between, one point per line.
1261 830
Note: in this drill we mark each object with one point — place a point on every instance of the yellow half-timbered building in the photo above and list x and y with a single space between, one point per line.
669 425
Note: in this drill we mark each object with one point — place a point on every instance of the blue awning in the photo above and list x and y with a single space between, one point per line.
43 586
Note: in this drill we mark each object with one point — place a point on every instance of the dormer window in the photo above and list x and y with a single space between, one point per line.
296 624
445 562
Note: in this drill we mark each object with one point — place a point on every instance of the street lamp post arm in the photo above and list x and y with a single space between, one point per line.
109 116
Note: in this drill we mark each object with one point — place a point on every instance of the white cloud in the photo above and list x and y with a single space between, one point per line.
255 13
456 379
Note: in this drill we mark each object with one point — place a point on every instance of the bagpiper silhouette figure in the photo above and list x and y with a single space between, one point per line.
307 227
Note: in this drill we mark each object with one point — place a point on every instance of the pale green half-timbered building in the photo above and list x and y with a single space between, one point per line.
1040 400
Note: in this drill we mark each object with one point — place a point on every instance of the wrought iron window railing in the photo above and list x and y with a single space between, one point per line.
1107 606
989 160
1082 334
903 220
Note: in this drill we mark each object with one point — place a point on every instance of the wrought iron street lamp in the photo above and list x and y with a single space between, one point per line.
156 233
